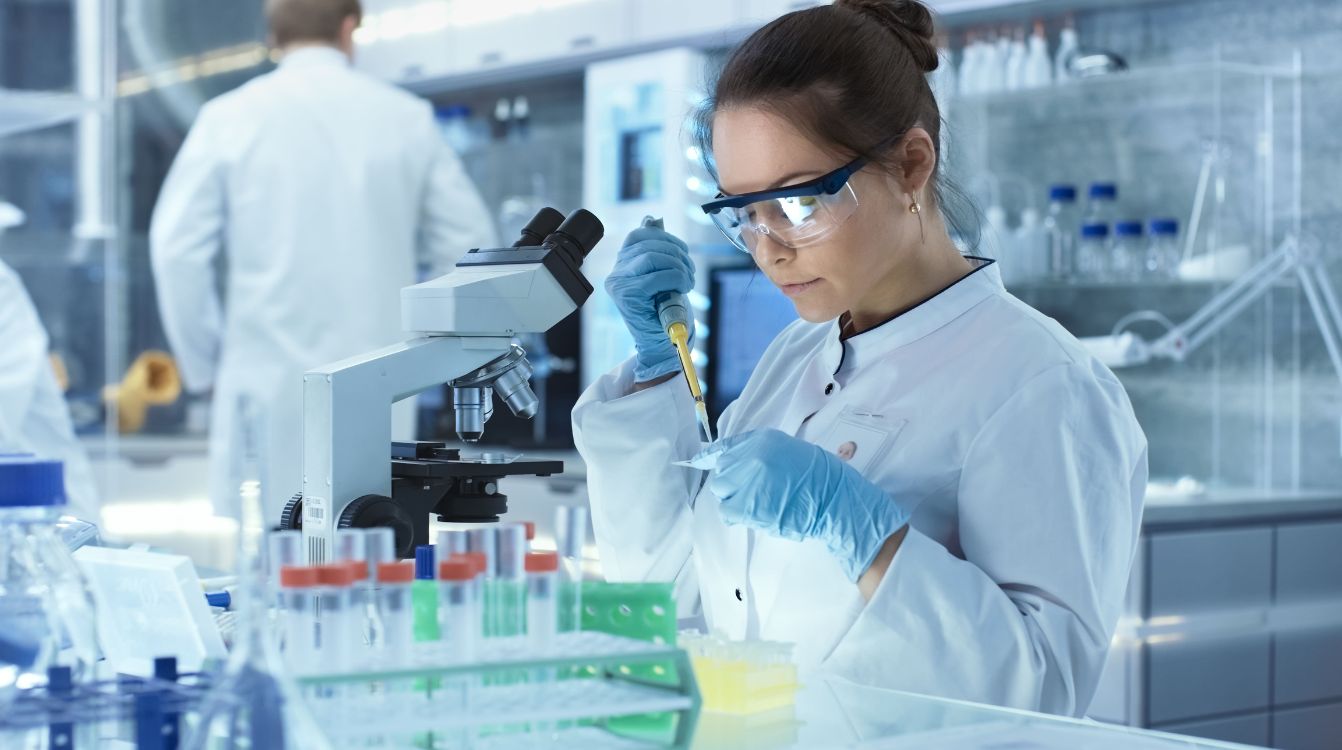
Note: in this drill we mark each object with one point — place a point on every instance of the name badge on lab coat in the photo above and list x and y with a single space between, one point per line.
861 437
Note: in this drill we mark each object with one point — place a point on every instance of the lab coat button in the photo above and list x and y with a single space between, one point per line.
829 389
738 596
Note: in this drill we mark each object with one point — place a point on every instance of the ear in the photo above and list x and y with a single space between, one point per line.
916 157
347 28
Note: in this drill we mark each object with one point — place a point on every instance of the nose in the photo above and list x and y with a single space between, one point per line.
770 252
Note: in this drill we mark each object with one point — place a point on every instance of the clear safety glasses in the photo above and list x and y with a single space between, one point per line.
794 216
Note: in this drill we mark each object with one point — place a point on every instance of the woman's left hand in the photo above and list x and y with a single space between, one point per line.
774 482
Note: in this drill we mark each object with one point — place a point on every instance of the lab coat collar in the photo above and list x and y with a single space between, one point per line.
320 55
909 326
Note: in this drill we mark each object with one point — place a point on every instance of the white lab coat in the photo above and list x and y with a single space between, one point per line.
1019 452
323 186
33 415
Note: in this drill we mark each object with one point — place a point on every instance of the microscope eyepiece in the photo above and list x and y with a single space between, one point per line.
546 221
577 235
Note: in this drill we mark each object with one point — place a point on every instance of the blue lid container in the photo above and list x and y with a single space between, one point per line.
1104 190
1062 193
1095 230
28 481
1128 229
424 568
1164 226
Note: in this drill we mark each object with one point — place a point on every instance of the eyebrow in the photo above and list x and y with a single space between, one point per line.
783 181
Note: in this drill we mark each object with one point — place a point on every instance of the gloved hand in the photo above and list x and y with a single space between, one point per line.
652 261
772 481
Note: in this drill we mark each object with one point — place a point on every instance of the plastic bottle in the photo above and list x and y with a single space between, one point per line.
47 615
1015 62
454 124
1129 254
1061 226
992 70
970 58
944 77
1031 243
1093 251
1163 253
1038 69
1102 205
392 598
1068 46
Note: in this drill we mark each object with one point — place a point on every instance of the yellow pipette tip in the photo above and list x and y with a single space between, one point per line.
680 337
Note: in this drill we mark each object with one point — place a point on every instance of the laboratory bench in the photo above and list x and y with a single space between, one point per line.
832 713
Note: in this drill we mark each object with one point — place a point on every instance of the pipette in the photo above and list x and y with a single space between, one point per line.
674 314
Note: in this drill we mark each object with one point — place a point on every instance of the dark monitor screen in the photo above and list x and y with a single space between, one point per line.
746 313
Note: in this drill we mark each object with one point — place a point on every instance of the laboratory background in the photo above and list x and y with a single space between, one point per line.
1161 177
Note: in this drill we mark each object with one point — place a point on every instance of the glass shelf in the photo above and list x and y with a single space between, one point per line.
24 111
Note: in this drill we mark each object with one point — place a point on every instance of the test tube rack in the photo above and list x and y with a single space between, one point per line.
141 712
515 692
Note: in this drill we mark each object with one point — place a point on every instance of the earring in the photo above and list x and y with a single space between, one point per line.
915 208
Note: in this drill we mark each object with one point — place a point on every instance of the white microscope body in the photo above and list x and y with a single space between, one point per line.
465 321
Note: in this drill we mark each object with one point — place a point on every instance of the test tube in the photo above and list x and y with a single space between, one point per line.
452 542
299 607
542 598
570 538
424 595
352 549
395 611
379 547
483 544
336 626
510 581
459 606
285 549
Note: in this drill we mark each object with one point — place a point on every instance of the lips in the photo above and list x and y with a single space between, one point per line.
792 290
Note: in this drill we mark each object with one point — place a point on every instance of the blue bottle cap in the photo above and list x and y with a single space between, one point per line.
1095 230
453 110
1062 193
424 563
29 481
1128 229
1164 226
1106 190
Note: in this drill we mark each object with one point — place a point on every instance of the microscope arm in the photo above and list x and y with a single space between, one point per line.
347 419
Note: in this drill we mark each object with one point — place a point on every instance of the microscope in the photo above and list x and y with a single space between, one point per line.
465 321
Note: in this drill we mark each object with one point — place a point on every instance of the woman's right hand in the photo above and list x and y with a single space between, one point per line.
651 262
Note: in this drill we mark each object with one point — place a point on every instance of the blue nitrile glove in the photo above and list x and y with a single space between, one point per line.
652 261
772 481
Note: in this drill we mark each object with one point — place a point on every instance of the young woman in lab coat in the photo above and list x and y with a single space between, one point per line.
926 484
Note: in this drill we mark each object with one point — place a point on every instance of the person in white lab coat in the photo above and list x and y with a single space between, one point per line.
925 484
33 415
323 187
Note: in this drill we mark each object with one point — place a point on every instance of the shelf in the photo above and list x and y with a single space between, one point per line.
24 111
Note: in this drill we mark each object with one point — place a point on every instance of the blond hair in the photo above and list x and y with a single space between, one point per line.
309 20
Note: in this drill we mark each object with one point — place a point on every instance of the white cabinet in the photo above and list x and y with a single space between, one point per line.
503 33
406 40
759 12
657 20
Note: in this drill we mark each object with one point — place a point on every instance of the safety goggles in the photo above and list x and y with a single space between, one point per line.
794 216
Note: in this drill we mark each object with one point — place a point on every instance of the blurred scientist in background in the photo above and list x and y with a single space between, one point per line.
323 188
33 415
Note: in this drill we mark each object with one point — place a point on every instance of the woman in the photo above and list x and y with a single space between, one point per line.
977 544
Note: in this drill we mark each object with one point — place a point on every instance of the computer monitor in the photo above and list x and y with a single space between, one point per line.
746 313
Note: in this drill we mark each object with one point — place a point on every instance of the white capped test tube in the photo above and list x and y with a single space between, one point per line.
542 598
459 606
510 581
396 613
298 586
352 549
453 542
337 626
570 538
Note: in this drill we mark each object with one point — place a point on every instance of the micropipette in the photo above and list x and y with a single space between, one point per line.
674 314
